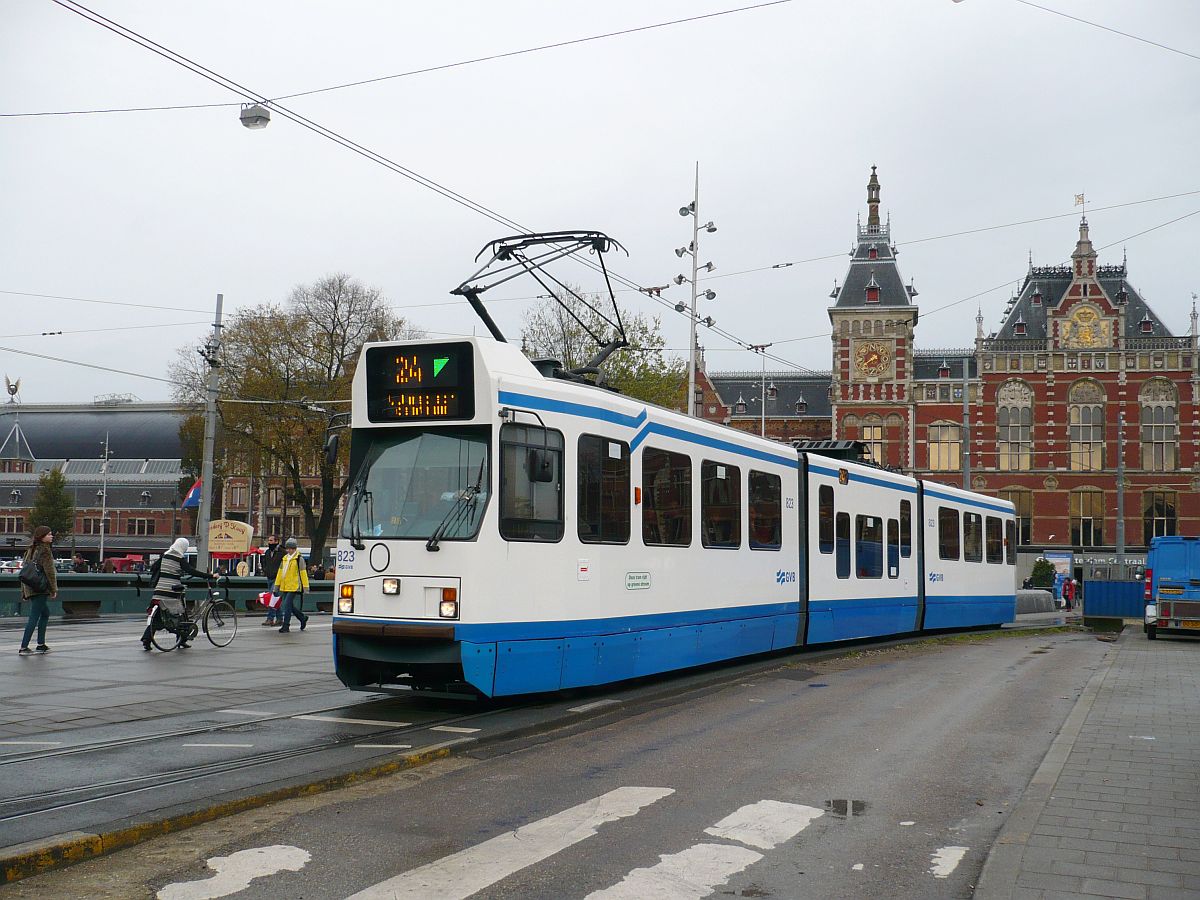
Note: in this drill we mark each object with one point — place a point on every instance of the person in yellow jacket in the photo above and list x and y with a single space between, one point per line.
291 581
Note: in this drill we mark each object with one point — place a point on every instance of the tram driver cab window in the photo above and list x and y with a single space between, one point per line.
531 495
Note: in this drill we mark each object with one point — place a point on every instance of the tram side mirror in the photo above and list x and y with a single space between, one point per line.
541 467
331 449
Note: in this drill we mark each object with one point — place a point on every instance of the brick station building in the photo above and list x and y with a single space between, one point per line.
1081 371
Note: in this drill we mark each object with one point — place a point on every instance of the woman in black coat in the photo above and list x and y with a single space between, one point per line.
39 613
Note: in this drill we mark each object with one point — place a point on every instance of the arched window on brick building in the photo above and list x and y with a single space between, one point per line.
945 447
1159 400
1085 417
1158 514
1014 418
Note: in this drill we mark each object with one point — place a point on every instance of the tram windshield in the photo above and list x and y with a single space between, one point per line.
411 480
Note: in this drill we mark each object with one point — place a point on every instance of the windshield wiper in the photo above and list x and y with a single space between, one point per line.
356 540
457 512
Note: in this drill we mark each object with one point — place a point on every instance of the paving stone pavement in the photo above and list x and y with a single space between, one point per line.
1114 809
98 674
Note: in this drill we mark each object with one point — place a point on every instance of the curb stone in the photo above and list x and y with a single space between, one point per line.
998 880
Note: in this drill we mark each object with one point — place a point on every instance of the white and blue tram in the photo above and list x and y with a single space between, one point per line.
508 533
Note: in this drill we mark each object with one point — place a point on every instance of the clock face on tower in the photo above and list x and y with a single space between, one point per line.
871 358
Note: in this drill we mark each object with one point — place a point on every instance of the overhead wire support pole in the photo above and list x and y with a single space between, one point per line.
761 350
212 356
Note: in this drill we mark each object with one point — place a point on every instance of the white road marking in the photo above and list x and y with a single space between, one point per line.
384 746
688 875
857 867
454 729
908 823
353 721
218 745
31 743
1142 737
765 824
469 871
244 712
236 871
946 860
593 705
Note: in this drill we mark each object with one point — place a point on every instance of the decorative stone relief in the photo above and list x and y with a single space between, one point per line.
1050 483
978 482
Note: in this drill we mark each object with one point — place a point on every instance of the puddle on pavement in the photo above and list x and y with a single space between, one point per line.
846 809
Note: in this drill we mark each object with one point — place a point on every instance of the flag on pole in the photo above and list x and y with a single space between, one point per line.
1079 199
193 496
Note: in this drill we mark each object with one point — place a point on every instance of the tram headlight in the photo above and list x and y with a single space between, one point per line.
448 608
391 586
346 599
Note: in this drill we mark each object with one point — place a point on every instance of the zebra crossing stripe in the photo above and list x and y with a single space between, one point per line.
689 875
469 871
697 871
765 824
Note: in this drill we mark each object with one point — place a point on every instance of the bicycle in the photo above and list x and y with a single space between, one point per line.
215 614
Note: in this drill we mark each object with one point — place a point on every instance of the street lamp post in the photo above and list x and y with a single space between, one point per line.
103 496
693 210
761 349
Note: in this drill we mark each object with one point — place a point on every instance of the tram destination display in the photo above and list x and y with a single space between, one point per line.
420 383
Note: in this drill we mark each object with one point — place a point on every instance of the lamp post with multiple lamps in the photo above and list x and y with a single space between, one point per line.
693 210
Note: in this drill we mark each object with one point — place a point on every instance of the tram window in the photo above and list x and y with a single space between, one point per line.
604 490
868 546
1010 542
825 518
666 498
905 528
720 505
947 532
842 559
995 540
972 537
766 511
893 548
531 506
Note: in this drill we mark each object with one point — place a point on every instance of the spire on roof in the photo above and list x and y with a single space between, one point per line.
873 202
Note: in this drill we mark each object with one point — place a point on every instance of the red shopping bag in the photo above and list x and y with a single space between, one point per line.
269 600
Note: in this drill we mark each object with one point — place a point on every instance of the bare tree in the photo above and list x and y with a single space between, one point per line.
283 367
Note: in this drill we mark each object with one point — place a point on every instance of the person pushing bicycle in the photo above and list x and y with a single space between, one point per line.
166 583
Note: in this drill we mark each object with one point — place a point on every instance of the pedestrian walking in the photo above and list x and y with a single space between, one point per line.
291 581
166 585
270 566
1068 592
38 591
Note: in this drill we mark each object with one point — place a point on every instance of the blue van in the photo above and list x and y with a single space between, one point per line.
1172 591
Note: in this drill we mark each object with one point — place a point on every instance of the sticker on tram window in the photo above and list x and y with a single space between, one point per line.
421 382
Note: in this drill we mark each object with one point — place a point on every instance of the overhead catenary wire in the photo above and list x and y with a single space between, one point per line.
329 134
838 255
1109 29
229 84
423 71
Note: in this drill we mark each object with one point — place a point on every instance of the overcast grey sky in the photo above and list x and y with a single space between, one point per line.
979 113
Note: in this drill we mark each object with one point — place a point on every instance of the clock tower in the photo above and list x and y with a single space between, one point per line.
873 316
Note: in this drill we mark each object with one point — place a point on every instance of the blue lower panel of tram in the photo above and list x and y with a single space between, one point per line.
636 646
963 611
851 619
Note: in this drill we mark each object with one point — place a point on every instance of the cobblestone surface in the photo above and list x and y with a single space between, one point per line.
1114 810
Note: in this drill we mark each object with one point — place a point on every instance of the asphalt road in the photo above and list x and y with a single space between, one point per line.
885 774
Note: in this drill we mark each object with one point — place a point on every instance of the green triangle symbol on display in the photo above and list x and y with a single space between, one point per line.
439 364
